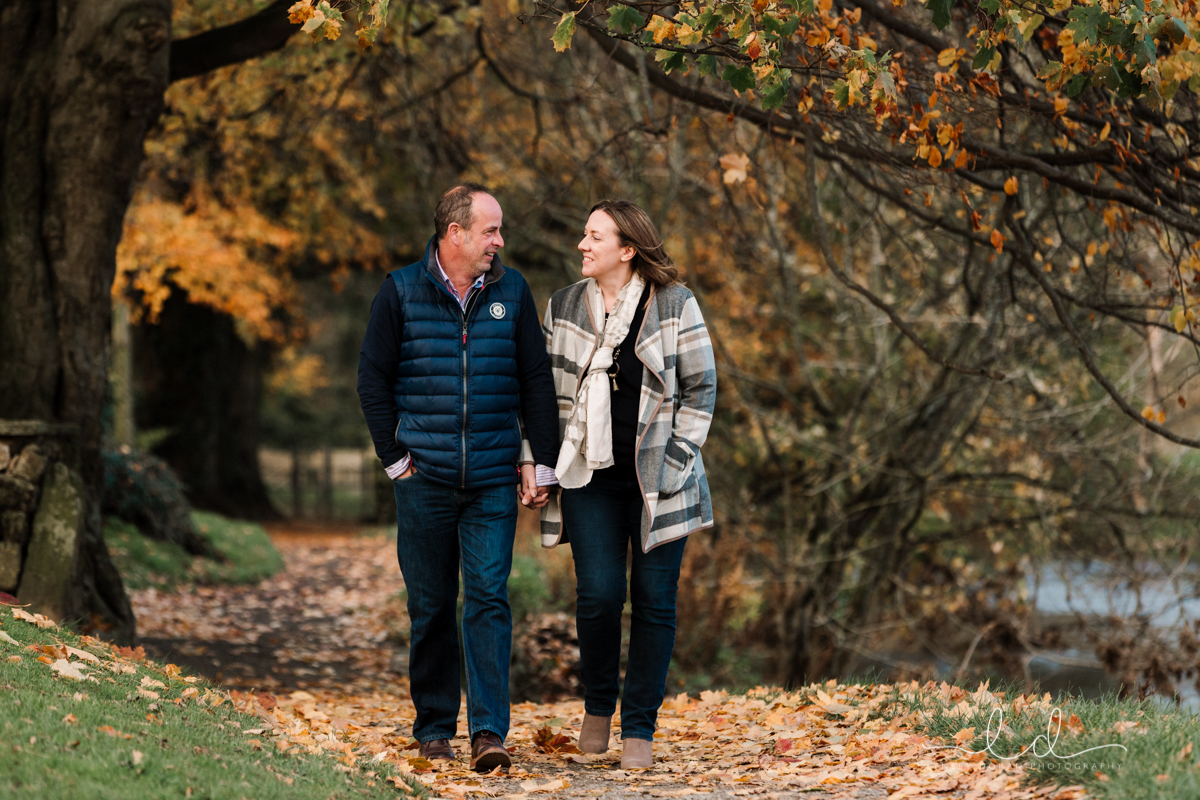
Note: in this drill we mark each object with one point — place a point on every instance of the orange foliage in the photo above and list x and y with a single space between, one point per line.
228 259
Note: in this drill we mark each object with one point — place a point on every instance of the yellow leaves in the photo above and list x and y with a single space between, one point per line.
736 167
686 34
1105 131
298 375
299 13
1149 413
1060 105
855 80
1180 318
998 239
935 157
950 56
1010 185
210 252
323 19
663 29
1030 24
830 705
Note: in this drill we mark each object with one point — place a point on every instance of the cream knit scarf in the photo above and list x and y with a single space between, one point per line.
587 443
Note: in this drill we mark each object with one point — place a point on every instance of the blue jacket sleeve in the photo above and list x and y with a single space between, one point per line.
539 406
378 361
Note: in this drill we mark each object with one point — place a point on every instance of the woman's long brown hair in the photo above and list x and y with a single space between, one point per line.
637 231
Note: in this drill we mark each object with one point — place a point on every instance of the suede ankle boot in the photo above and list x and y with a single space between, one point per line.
593 734
635 754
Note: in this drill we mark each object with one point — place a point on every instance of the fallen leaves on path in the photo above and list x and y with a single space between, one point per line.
325 619
834 739
337 601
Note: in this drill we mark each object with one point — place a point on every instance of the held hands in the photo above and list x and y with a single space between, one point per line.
529 492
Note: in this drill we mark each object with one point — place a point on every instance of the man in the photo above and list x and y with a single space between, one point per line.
452 361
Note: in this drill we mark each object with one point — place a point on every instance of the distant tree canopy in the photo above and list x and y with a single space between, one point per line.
967 118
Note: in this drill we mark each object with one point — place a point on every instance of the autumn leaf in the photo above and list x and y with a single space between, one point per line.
753 46
998 240
563 32
85 655
662 28
549 742
736 167
1148 412
1178 319
300 12
313 20
36 619
1010 185
67 670
113 732
556 785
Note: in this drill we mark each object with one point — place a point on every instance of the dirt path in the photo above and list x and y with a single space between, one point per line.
314 641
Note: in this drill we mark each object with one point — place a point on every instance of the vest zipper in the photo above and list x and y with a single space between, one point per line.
466 312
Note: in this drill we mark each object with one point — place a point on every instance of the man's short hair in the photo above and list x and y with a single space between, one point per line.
455 206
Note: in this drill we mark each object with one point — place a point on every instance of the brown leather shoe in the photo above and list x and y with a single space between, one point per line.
436 748
487 752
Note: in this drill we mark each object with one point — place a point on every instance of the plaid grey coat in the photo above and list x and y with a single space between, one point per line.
679 389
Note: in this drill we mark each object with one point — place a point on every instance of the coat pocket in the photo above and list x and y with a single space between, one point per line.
678 463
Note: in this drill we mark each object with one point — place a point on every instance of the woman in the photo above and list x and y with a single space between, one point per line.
628 343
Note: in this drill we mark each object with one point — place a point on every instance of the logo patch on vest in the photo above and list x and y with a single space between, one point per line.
497 310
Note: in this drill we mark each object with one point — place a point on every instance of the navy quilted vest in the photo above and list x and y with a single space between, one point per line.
457 391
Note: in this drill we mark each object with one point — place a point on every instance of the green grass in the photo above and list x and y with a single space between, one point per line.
247 554
1156 762
100 738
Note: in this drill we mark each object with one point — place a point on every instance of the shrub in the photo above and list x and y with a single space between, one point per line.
143 491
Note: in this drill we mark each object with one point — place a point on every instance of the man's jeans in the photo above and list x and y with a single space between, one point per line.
603 521
438 526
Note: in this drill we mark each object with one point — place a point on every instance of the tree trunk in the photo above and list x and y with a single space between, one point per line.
79 84
124 431
198 379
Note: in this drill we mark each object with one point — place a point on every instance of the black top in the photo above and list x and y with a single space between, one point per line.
629 390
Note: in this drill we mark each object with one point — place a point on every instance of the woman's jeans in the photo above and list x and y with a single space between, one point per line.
439 527
602 520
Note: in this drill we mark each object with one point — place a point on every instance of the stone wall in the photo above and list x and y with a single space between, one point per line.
41 513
